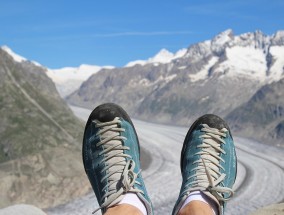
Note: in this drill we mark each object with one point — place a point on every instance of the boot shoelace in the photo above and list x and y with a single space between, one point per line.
207 175
120 176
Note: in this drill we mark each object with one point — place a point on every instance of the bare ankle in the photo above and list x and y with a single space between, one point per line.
196 208
123 209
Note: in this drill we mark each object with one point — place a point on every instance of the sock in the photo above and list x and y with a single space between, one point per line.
132 199
199 196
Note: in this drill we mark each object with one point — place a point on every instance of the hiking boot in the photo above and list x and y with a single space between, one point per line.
208 162
111 156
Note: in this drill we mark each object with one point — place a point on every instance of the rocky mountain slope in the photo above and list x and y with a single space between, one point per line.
40 138
214 76
263 114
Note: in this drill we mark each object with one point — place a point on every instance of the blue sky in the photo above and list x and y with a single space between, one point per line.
59 33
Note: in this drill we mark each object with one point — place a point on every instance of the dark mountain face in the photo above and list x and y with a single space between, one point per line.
40 138
262 116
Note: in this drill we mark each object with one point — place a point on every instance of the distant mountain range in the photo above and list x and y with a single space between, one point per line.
40 138
222 75
69 79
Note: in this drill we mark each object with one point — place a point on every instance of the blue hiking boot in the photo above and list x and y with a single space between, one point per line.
111 156
208 162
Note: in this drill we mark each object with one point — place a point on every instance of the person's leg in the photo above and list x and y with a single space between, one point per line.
123 209
111 156
208 166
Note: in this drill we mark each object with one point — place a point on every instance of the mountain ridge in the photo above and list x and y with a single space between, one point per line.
213 76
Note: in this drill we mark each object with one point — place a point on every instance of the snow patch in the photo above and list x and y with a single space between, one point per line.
143 82
277 69
36 63
136 62
15 56
180 53
279 35
146 82
203 73
170 77
204 99
69 79
223 38
182 67
244 61
162 57
77 73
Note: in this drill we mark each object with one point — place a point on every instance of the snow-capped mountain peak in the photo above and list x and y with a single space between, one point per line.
68 79
136 62
219 42
162 57
223 38
278 38
180 53
15 56
77 73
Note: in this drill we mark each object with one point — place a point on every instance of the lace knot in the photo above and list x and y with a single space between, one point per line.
128 176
